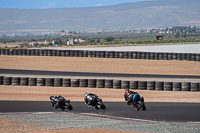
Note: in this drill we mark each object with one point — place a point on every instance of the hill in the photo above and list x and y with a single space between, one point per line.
137 15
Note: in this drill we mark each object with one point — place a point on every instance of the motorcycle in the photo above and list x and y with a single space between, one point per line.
138 101
139 105
95 102
60 102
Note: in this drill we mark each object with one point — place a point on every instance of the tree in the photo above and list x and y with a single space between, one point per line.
109 39
62 31
177 35
91 40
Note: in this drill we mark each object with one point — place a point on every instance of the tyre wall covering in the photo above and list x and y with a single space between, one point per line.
102 54
101 83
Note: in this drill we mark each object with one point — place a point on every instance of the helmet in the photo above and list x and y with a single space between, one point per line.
127 90
85 93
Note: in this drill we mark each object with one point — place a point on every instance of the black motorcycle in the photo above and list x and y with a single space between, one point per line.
95 101
60 102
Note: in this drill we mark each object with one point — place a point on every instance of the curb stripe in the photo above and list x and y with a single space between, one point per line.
118 118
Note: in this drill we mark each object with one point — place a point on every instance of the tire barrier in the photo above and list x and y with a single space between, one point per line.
112 54
156 56
7 80
126 54
165 56
108 83
125 84
150 85
176 86
1 80
142 85
116 54
15 80
197 57
92 83
75 82
24 81
66 82
80 53
168 86
148 55
94 54
41 52
32 81
139 55
194 86
121 54
37 52
159 86
107 54
186 86
41 81
133 85
101 83
117 84
83 82
143 55
49 82
85 53
135 55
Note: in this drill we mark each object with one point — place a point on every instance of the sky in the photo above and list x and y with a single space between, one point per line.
42 4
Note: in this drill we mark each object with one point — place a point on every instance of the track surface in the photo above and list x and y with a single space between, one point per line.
68 73
182 112
178 112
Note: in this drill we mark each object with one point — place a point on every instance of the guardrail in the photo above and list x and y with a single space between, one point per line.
103 54
101 83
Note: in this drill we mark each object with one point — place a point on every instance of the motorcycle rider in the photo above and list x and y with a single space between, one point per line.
56 101
131 96
89 98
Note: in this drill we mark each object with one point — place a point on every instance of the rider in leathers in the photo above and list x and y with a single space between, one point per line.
57 104
89 98
130 96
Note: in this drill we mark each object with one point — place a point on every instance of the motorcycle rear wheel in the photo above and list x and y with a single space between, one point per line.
143 107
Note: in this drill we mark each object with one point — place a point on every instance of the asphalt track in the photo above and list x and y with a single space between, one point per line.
172 112
179 112
93 74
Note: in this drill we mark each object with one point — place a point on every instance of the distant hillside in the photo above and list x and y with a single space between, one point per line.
137 15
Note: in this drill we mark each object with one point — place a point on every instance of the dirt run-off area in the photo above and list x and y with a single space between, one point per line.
97 65
38 93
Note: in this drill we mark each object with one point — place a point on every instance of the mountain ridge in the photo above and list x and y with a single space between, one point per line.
136 15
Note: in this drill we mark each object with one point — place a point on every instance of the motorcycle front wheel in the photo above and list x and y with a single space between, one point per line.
102 106
69 106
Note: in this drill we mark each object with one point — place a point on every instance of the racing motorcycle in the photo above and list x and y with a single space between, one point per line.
139 105
95 101
60 102
138 101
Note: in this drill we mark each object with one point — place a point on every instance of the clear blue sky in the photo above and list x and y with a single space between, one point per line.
41 4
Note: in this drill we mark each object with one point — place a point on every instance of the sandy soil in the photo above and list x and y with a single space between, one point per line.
76 94
101 65
96 65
